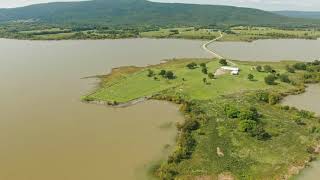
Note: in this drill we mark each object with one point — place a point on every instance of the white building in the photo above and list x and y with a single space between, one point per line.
233 70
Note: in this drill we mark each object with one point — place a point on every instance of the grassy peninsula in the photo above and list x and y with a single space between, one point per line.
234 126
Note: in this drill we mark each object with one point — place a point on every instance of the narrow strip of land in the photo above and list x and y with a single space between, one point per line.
216 55
205 46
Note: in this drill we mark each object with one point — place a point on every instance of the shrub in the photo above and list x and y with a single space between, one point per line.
150 73
270 79
211 75
192 65
162 72
306 114
169 75
249 114
223 62
267 68
299 122
204 80
259 68
263 96
231 111
247 125
290 69
190 125
203 65
250 77
204 70
300 66
274 98
284 78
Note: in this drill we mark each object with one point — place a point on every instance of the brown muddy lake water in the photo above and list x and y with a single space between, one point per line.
266 50
310 100
47 133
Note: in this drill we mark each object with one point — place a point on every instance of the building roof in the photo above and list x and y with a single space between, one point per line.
229 68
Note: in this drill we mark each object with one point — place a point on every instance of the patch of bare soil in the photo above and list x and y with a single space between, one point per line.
220 72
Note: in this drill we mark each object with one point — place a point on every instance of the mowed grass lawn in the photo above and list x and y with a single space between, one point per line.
189 82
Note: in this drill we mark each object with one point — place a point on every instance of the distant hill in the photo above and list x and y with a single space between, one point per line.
300 14
142 12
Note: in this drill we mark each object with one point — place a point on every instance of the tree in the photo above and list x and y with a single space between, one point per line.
150 73
192 65
259 68
270 79
300 66
284 78
204 80
223 62
204 70
162 72
250 77
211 75
169 75
203 65
267 68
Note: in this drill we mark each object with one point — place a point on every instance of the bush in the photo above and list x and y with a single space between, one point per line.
290 69
250 77
162 72
211 75
203 65
192 65
274 98
204 70
300 66
223 62
270 79
249 114
231 111
169 75
263 96
284 78
247 125
259 68
150 73
190 125
267 68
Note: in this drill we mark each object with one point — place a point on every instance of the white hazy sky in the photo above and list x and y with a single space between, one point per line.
306 5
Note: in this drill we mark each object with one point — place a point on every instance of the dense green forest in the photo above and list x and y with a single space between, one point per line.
142 12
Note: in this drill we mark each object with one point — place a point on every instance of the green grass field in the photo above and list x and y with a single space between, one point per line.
187 82
210 143
255 33
240 33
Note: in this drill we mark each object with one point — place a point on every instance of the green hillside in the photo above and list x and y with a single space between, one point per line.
142 12
300 14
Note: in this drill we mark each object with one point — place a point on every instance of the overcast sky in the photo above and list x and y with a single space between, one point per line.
306 5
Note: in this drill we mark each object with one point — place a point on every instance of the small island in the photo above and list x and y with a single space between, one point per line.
234 125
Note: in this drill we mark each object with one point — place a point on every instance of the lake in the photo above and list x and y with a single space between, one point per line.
47 133
307 101
266 50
